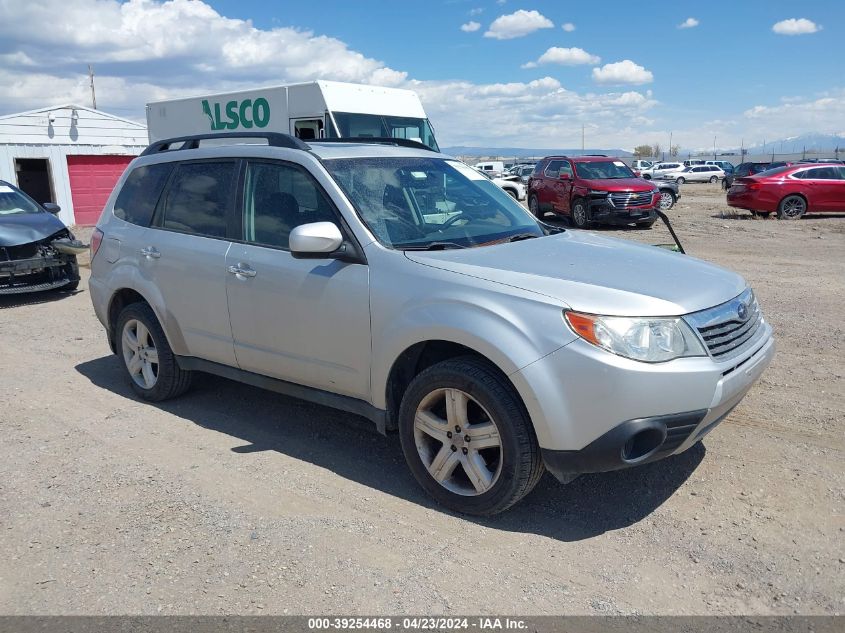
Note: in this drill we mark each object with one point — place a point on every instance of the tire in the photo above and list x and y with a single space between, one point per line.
761 214
681 180
645 225
487 410
792 207
512 194
534 207
667 200
579 213
646 177
713 179
71 287
139 334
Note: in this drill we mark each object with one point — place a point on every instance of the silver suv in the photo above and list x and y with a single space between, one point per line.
397 283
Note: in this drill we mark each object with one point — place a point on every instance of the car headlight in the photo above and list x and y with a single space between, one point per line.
646 339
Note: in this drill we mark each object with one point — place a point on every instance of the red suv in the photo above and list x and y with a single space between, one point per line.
592 189
791 191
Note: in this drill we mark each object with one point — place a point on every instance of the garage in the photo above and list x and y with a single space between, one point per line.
92 179
70 155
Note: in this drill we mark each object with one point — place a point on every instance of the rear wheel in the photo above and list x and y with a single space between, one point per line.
792 208
467 437
147 358
579 213
667 200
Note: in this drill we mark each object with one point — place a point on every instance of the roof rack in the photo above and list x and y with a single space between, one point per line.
382 140
274 139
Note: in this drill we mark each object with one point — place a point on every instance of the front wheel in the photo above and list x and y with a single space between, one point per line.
792 208
534 207
713 179
467 438
512 194
147 358
579 213
680 180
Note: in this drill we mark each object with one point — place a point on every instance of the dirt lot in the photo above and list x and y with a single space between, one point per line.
234 500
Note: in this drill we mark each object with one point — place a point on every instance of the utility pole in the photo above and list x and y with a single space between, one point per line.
714 147
670 148
91 80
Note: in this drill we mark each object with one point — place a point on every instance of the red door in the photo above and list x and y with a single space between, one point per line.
92 179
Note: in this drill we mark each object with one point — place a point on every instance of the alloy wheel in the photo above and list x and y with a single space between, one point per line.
139 354
667 200
794 207
458 442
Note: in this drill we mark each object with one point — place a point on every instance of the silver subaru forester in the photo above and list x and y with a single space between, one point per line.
394 282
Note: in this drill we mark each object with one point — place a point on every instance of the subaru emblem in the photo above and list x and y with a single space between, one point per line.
742 312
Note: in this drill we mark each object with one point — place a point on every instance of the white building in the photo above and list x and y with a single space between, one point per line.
68 154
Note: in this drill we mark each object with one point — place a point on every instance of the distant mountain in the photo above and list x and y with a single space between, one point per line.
812 141
521 152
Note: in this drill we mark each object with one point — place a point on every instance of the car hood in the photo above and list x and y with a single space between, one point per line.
619 184
595 274
27 227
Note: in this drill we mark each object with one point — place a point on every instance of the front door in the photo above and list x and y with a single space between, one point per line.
563 187
302 320
184 253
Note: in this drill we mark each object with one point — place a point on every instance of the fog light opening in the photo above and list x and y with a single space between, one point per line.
642 444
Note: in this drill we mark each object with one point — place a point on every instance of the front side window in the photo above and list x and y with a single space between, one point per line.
278 197
553 170
199 198
383 126
604 170
140 193
13 202
822 173
430 203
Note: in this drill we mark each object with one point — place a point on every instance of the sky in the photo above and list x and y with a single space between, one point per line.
491 73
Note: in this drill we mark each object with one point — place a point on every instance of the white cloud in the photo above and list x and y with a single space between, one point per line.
565 57
517 24
476 11
793 26
470 27
146 50
689 23
624 72
568 27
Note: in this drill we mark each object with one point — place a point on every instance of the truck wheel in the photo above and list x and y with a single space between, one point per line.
792 208
467 437
534 207
579 213
147 358
713 179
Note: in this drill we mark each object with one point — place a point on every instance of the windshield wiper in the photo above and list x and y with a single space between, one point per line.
433 246
521 236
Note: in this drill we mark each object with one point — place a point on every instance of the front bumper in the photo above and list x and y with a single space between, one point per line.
602 212
586 404
36 274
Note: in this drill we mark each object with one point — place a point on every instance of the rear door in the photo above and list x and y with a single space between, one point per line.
302 320
184 253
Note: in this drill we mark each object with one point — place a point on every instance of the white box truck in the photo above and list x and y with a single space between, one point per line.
317 109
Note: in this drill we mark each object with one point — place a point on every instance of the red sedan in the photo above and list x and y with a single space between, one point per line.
791 191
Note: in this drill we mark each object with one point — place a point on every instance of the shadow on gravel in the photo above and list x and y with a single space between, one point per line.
34 298
349 446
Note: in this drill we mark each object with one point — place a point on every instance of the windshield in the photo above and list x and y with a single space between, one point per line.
429 203
604 170
377 125
13 202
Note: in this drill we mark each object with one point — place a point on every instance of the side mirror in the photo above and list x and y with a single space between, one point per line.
51 207
315 240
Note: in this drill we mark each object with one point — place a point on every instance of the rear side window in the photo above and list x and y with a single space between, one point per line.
140 193
199 198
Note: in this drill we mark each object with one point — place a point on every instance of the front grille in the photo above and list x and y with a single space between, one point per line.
730 327
636 199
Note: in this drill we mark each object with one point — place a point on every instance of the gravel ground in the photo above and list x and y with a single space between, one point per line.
235 500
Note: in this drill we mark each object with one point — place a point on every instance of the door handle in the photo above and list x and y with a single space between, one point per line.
150 252
242 270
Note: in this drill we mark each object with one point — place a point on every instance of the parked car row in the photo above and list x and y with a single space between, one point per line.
791 190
